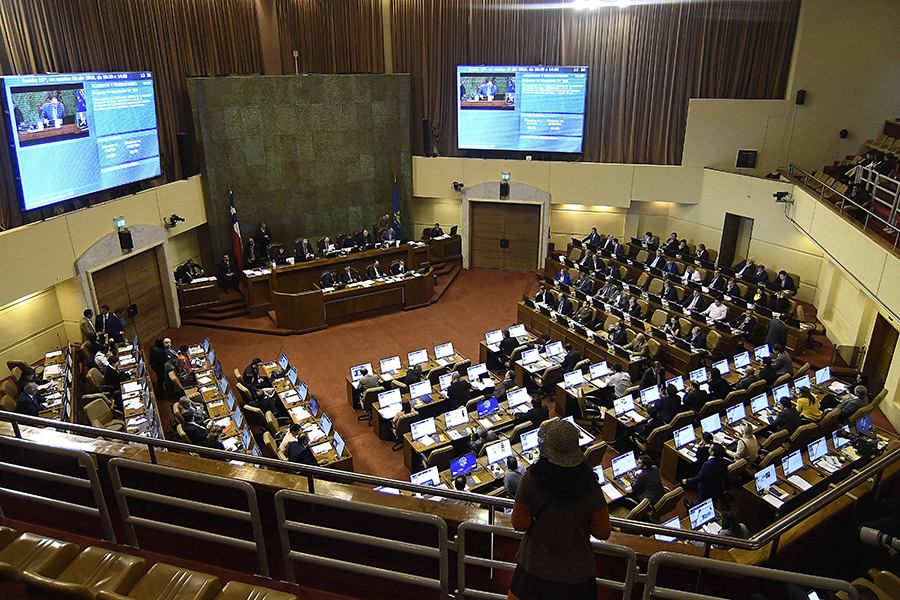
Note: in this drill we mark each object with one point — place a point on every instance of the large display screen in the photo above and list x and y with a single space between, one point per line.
80 133
539 109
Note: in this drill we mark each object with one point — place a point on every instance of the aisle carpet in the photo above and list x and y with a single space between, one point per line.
479 300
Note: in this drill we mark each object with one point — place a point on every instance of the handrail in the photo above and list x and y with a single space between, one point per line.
760 540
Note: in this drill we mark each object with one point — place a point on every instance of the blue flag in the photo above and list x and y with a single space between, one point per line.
397 235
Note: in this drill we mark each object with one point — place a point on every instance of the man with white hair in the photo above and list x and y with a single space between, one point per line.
28 402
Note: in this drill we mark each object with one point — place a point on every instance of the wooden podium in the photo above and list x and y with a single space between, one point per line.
300 311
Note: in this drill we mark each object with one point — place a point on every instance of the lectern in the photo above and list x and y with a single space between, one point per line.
300 311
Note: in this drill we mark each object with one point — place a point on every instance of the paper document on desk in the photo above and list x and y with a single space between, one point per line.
327 289
136 421
389 412
773 500
480 385
367 284
131 386
799 482
721 438
636 416
204 380
300 414
442 362
688 454
53 371
224 422
314 433
289 397
611 491
828 463
712 528
494 347
135 404
837 387
126 361
195 350
426 440
387 377
486 423
454 434
231 443
53 354
324 448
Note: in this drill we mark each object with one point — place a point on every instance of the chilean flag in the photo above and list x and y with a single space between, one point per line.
236 235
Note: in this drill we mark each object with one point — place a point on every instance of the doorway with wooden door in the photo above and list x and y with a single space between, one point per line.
135 281
881 349
735 243
504 235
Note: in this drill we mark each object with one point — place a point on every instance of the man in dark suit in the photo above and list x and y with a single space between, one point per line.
762 276
298 451
608 245
619 335
613 272
634 309
716 282
783 363
732 289
669 405
304 251
508 344
786 282
227 274
749 377
253 381
745 267
788 418
647 483
618 249
585 284
671 243
537 414
264 236
654 375
28 402
669 293
459 391
694 302
413 375
589 261
593 238
374 271
544 296
195 432
695 398
746 323
657 261
702 253
349 275
564 306
571 359
768 372
436 231
114 327
671 268
621 301
698 338
254 255
101 319
388 235
781 304
508 383
776 333
365 239
327 279
719 387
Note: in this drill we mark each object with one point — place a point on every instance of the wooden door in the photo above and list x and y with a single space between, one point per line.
517 224
881 349
135 280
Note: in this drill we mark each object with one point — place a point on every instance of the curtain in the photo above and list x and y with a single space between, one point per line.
331 36
175 39
644 62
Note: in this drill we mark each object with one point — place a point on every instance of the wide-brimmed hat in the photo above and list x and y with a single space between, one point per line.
559 443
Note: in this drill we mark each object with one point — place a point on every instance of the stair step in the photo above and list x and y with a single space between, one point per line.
242 312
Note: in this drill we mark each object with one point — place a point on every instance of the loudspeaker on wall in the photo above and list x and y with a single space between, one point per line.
801 97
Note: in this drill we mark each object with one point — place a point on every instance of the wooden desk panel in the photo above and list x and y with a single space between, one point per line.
198 294
451 246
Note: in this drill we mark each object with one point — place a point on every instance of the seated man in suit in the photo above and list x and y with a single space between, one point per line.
303 251
746 323
683 249
368 380
436 231
29 402
348 242
398 268
327 279
585 316
788 418
638 347
544 296
608 291
537 414
719 387
702 253
768 372
326 246
298 451
694 302
349 275
671 268
657 261
608 244
593 238
783 363
589 261
612 271
508 383
564 306
413 375
654 375
227 274
634 309
480 437
762 276
695 398
786 282
853 402
622 300
508 344
716 281
672 243
253 379
749 377
618 249
571 359
669 405
459 391
669 292
745 267
374 271
731 289
195 432
365 239
698 338
648 239
388 236
781 304
618 334
585 284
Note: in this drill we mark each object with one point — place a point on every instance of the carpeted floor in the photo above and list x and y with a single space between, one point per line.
478 301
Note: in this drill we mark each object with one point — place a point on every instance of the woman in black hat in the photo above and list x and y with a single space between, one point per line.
559 505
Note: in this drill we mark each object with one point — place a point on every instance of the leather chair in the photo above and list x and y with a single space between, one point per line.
655 440
802 371
776 440
879 397
756 388
736 470
255 417
736 397
826 425
36 553
179 429
7 535
95 382
441 458
334 278
667 503
180 390
462 366
782 379
772 457
7 388
683 419
94 570
516 354
100 415
403 426
7 404
16 374
712 341
244 393
235 590
370 398
167 582
803 435
434 376
472 404
639 512
238 376
24 366
176 412
547 380
711 407
861 412
269 445
593 454
515 436
395 267
272 424
340 238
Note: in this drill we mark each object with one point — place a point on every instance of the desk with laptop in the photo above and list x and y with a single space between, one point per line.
489 349
138 401
58 388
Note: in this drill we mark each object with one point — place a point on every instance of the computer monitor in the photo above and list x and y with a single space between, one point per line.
817 449
493 337
673 523
230 400
422 388
456 417
426 477
700 375
239 419
283 362
736 413
313 406
445 380
823 375
530 356
792 463
417 358
623 405
742 360
573 379
217 370
722 366
599 474
554 348
864 424
839 441
463 465
517 397
206 345
782 391
302 390
357 372
389 365
801 382
211 357
624 464
702 513
601 369
684 436
649 395
325 424
389 398
293 375
338 444
678 382
761 352
499 451
444 350
711 424
256 452
758 403
530 440
223 386
517 331
476 371
246 437
422 428
487 407
765 478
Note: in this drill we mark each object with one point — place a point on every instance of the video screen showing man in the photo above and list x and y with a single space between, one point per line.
488 91
49 115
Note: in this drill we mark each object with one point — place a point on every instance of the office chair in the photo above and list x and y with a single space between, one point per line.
369 398
826 425
255 417
736 470
683 419
593 454
736 397
238 375
803 435
403 427
772 457
655 440
441 458
8 389
776 440
472 404
756 388
99 414
7 404
639 512
182 435
711 407
462 366
666 504
269 445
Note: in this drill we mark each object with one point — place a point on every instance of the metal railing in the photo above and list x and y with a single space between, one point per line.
438 551
652 588
770 535
464 559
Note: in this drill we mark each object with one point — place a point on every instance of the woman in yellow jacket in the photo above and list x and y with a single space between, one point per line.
807 405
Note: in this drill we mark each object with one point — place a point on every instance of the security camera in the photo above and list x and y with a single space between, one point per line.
458 186
172 221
